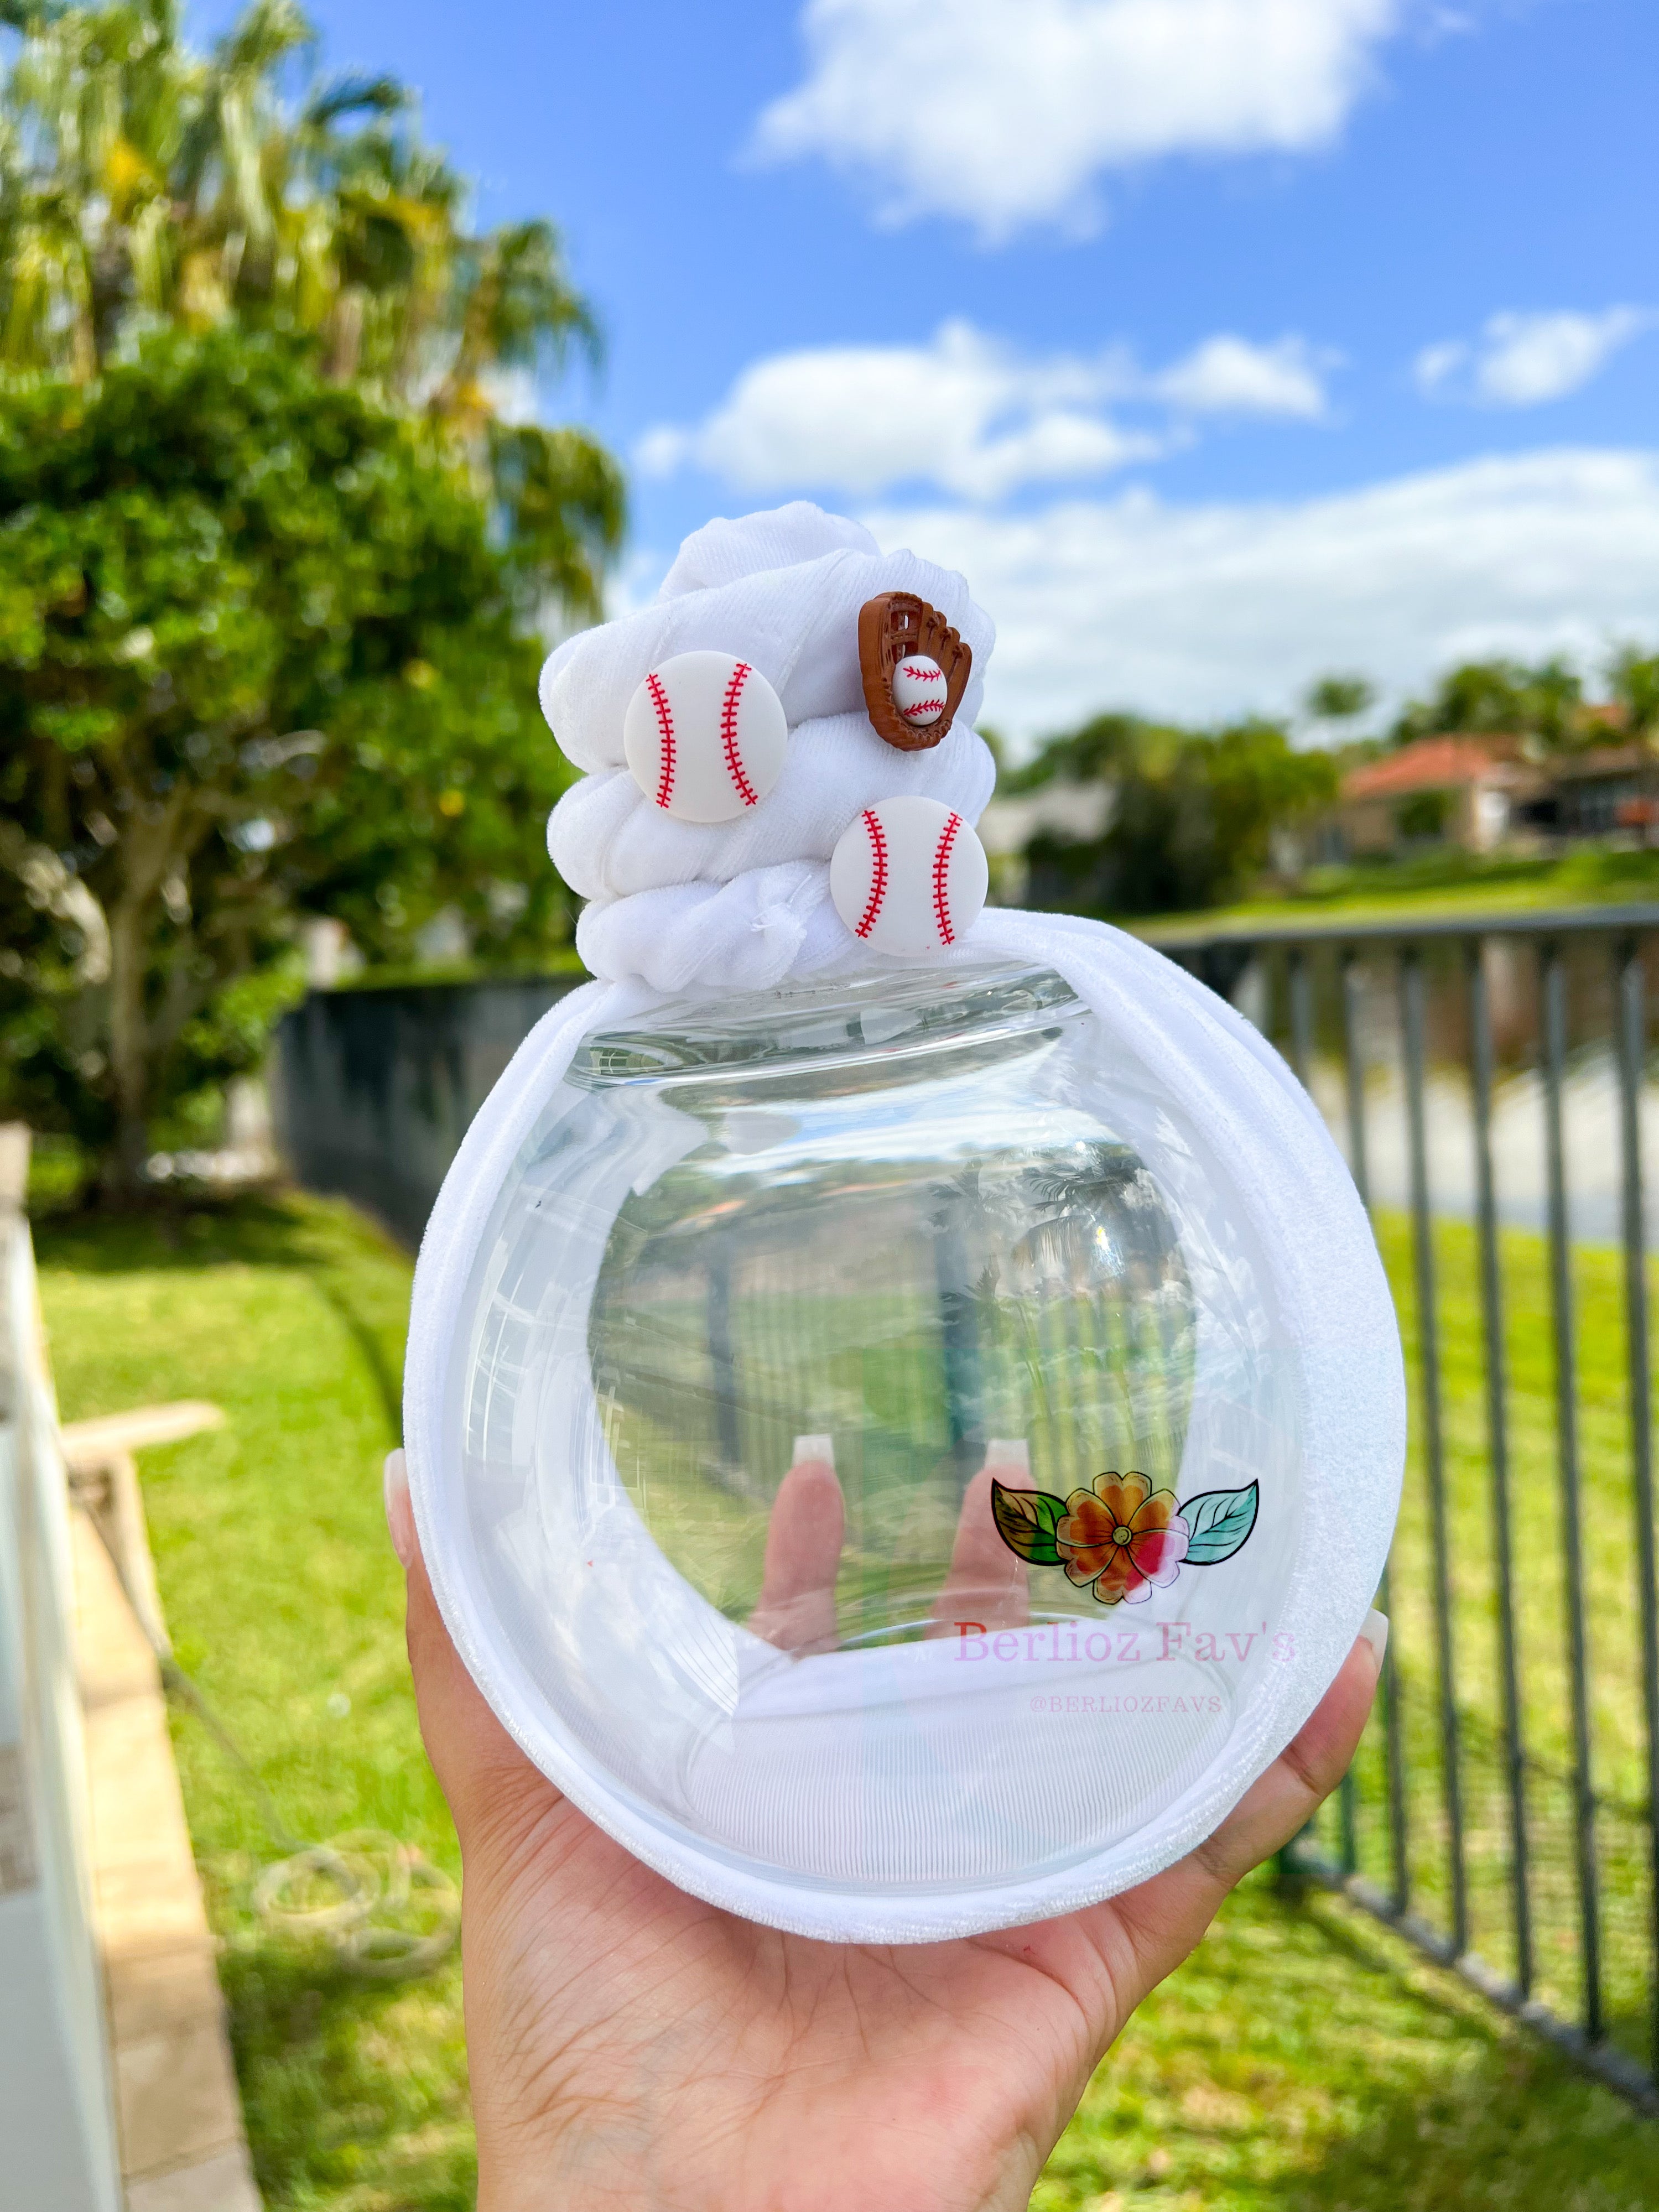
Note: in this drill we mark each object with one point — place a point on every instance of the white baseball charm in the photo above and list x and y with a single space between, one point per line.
908 876
919 691
704 736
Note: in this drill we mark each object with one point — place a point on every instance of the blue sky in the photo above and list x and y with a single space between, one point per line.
1220 342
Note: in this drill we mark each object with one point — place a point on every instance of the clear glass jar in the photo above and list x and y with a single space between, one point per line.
788 1307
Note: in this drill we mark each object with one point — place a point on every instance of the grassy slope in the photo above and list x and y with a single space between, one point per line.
1436 887
1300 2059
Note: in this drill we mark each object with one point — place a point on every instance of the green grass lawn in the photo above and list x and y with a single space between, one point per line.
1304 2057
1441 885
285 1601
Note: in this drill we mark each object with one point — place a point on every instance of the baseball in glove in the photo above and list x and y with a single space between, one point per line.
899 626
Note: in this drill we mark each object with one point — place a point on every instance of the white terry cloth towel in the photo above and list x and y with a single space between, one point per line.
744 905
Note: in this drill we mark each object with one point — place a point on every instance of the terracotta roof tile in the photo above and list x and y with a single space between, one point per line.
1430 764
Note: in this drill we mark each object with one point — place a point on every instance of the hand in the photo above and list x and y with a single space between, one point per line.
633 2048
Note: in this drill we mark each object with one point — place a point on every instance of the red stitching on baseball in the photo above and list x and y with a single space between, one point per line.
654 684
740 676
947 838
929 700
878 873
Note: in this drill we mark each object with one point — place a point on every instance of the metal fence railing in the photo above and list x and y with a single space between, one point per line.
1493 1087
372 1090
1489 1083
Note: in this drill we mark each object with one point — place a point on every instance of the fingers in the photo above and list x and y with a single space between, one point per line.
1305 1774
796 1611
471 1753
986 1582
1162 1920
804 1539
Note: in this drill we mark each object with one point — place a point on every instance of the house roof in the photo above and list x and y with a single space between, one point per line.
1434 764
1600 761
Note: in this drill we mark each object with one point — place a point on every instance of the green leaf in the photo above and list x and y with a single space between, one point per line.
1218 1524
1026 1521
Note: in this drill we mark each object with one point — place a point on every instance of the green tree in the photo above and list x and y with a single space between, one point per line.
275 538
1192 815
261 652
1500 698
143 185
1339 698
1634 686
1099 750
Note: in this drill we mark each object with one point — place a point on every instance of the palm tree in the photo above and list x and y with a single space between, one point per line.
143 184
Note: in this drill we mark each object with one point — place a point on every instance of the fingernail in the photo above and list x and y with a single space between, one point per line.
400 1514
1375 1633
814 1448
1008 1452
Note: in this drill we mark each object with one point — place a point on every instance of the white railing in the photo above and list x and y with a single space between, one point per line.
57 2143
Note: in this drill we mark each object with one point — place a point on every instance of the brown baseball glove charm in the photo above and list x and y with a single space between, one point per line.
916 669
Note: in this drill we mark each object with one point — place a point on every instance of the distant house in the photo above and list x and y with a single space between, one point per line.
1609 791
1480 793
1079 811
1466 791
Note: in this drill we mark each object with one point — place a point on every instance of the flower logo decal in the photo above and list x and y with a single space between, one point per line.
1122 1538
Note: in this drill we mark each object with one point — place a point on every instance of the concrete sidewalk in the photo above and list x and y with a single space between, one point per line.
183 2148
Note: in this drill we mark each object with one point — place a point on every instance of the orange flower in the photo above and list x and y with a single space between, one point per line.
1123 1537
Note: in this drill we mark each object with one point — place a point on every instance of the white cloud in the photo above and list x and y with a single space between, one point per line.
968 414
963 412
1003 113
1437 364
1228 375
1201 612
1523 359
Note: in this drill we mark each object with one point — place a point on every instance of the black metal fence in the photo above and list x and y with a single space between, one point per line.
372 1090
1490 1085
1503 1812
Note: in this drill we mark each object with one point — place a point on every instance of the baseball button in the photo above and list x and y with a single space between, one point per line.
908 876
919 691
704 736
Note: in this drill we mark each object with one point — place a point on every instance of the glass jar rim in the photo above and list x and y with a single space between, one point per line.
819 1021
